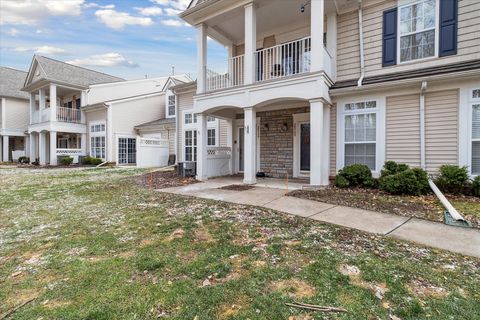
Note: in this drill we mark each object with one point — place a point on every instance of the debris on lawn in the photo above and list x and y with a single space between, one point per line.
315 307
237 187
163 179
355 276
176 234
421 287
201 234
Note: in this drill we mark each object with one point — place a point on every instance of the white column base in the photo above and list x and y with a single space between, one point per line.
250 149
319 143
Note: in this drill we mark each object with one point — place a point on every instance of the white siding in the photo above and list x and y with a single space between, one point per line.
17 114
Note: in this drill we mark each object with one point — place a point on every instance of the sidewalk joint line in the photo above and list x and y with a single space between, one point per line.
321 211
399 226
263 205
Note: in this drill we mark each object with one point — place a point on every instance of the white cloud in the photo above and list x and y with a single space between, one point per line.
117 20
13 32
96 5
32 12
178 5
162 2
172 11
174 23
150 11
111 59
47 50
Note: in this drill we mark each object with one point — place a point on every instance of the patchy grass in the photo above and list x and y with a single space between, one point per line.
90 244
424 207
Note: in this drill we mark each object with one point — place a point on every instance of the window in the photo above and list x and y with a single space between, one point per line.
190 118
211 137
417 30
77 103
97 147
360 140
99 127
191 145
127 150
211 119
475 132
171 103
68 104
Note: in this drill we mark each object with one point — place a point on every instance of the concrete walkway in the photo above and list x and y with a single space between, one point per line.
271 193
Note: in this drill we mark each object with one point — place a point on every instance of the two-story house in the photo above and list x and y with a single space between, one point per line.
312 86
14 114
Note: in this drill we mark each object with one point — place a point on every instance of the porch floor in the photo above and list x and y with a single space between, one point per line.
272 194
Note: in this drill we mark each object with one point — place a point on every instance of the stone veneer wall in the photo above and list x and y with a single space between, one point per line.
276 145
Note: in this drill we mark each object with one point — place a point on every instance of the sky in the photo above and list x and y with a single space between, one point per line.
126 38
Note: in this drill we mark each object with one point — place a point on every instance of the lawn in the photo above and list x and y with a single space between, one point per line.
93 244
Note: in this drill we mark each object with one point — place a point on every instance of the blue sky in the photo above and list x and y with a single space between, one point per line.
126 38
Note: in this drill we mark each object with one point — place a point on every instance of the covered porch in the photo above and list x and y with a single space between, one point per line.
48 146
283 139
12 147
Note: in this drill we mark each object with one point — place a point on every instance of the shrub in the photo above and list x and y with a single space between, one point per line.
401 179
452 179
355 175
36 162
92 161
66 160
476 186
24 160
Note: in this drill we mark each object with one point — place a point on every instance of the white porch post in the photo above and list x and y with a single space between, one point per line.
250 42
32 108
41 99
316 32
53 102
26 146
319 143
250 152
5 148
83 102
83 142
3 112
230 143
42 148
33 147
332 34
202 173
53 148
201 58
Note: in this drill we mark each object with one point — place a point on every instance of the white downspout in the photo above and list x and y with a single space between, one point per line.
422 125
360 31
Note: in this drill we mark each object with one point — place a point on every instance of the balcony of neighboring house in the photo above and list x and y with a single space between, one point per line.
267 42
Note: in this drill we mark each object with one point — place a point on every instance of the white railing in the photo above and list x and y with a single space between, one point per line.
152 152
44 115
283 60
219 161
68 115
329 64
233 77
74 153
153 142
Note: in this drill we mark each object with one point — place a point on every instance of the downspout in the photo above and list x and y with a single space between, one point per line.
360 31
423 89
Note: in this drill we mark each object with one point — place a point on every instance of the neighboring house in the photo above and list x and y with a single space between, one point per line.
57 91
312 86
133 122
14 114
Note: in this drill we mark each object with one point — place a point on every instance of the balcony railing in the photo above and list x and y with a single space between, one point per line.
68 115
233 77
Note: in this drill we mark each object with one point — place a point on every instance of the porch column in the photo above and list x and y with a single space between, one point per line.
53 102
26 146
332 34
32 108
319 143
53 148
3 111
5 148
202 173
250 164
33 147
201 58
230 143
41 100
83 102
42 148
316 33
250 42
83 142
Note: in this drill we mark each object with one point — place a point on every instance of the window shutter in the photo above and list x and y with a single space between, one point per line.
448 27
389 54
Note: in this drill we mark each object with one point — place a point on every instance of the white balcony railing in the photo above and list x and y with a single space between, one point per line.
233 77
219 161
68 115
283 60
74 153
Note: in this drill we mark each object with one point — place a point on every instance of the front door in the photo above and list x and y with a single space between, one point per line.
241 145
305 147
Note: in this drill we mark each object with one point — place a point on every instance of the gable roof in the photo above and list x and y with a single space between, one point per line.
11 83
55 70
176 80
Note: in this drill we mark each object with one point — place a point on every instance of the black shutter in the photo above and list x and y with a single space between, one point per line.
448 27
389 53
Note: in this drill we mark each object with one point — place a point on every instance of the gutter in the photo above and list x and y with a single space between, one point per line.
423 89
459 220
362 55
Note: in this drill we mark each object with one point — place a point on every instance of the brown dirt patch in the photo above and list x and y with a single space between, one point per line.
355 276
227 311
423 288
201 234
304 316
176 234
237 187
294 287
55 304
125 254
163 179
22 296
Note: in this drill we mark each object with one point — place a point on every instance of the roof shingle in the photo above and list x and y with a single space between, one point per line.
11 83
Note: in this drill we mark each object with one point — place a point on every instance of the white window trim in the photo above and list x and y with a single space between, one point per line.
437 30
380 121
168 94
298 119
466 104
117 139
193 145
97 134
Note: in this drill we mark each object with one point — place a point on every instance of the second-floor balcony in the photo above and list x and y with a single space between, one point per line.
280 61
63 114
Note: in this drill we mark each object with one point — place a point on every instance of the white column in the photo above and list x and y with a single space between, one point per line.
318 144
5 148
201 58
250 152
110 140
42 148
332 34
230 143
26 145
41 99
53 102
33 148
326 144
250 42
316 32
53 148
1 149
83 102
32 108
202 173
83 142
3 114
